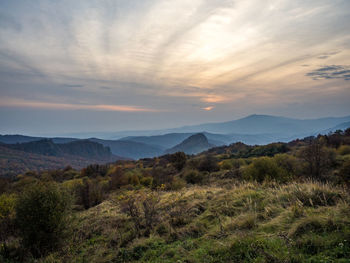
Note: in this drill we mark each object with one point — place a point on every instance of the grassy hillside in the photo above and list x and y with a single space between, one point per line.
221 223
273 203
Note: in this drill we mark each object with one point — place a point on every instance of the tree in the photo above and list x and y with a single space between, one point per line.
208 164
42 217
317 158
143 211
178 160
345 172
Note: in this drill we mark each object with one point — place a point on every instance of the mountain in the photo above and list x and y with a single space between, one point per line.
15 161
12 139
251 130
192 145
266 124
130 149
169 140
164 141
122 149
341 126
80 148
265 128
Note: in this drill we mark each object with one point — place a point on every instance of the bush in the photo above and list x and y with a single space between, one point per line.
344 172
90 193
42 217
226 165
146 181
289 163
265 169
193 177
208 164
177 184
344 150
7 211
178 160
118 178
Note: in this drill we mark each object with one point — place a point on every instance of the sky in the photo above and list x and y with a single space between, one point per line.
111 65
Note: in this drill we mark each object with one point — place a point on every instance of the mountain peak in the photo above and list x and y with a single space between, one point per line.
194 144
198 137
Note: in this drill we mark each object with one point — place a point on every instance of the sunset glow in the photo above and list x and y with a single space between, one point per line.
176 57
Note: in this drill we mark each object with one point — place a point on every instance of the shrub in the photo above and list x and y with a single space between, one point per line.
178 160
226 165
344 172
161 176
118 178
7 204
143 211
146 181
264 169
42 217
177 184
94 170
208 164
289 163
193 177
90 193
7 211
344 150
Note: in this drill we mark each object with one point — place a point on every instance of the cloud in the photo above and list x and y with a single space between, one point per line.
331 72
328 54
73 85
209 108
105 88
16 103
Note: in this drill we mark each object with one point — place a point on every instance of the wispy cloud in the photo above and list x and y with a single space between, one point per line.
331 72
328 54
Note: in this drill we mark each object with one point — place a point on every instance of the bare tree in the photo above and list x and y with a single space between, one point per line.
318 159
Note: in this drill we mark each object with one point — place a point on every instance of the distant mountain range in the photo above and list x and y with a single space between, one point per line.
251 130
250 125
266 124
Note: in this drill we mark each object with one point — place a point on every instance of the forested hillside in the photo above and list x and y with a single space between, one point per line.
45 154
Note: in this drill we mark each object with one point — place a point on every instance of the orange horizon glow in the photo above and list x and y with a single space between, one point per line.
65 106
